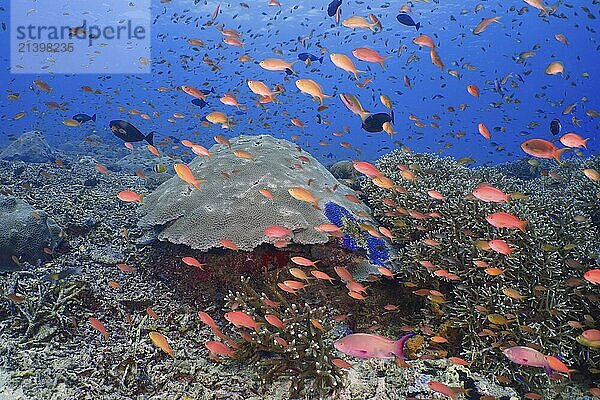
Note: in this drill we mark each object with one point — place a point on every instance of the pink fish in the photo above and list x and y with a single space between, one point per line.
506 220
241 319
366 345
527 356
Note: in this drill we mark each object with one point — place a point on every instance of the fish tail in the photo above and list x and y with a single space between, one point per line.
321 60
558 154
364 115
150 138
584 142
523 225
418 26
399 345
392 115
94 118
372 28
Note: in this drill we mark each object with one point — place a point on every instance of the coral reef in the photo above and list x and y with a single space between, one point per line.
231 194
343 170
299 350
536 296
140 159
25 233
29 147
355 238
64 357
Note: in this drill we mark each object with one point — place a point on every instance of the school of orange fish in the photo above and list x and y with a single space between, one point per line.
357 345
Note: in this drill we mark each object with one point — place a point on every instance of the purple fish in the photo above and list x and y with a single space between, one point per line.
366 345
527 356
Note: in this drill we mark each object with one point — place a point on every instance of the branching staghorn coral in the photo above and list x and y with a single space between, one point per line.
300 351
536 296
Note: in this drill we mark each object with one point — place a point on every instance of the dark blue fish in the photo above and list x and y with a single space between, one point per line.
83 118
309 57
407 20
555 126
332 8
199 102
374 122
129 133
207 92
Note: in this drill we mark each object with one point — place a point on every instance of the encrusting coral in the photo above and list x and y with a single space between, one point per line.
24 233
230 205
533 297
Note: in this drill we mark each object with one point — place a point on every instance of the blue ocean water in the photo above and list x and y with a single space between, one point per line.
493 55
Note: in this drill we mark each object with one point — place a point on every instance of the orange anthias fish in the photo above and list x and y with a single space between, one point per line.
219 348
488 193
573 140
192 262
161 342
369 55
446 390
473 90
506 220
344 62
129 196
303 195
366 168
192 91
305 262
186 174
592 276
484 24
97 325
241 319
424 40
312 88
542 149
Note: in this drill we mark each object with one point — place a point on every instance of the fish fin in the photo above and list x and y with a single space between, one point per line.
150 138
399 345
94 118
523 225
418 26
364 115
558 153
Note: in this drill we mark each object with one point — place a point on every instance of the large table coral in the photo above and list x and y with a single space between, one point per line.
230 205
